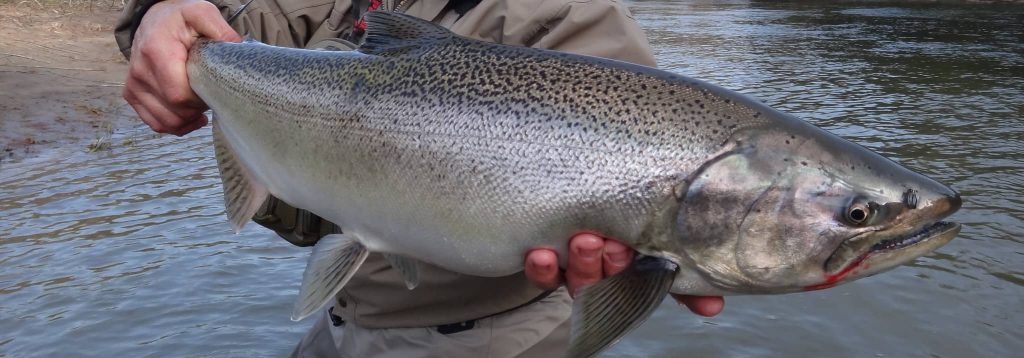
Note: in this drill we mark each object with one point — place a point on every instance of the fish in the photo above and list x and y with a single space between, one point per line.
433 148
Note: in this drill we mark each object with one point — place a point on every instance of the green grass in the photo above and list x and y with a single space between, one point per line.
102 141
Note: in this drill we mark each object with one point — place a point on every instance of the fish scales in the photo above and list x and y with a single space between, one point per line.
427 139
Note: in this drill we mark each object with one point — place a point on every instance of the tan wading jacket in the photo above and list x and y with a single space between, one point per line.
377 297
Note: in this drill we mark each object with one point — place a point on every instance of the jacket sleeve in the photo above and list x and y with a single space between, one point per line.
289 23
602 28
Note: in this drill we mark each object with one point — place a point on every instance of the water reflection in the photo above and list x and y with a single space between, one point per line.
128 251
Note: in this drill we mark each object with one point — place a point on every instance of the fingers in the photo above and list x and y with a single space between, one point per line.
160 116
591 258
542 269
706 306
174 91
586 261
157 86
616 257
199 121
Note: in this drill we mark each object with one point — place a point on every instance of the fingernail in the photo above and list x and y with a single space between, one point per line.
538 264
543 266
590 253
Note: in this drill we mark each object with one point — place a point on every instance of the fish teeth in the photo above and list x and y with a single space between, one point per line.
904 241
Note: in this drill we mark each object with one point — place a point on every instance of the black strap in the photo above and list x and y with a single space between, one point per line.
447 329
461 7
336 320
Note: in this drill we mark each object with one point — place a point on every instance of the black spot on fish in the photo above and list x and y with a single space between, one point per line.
803 163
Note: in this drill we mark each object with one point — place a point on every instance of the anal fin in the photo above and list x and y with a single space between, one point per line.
407 267
243 195
335 259
607 310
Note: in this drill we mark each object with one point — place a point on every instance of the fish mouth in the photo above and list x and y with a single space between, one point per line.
881 254
926 233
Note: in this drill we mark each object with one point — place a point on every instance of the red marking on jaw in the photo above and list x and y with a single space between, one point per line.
833 279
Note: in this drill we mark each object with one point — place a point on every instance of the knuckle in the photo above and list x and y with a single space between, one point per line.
136 71
204 6
178 98
131 91
199 7
128 95
151 52
159 127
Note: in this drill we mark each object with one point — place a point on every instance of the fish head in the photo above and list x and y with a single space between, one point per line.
790 207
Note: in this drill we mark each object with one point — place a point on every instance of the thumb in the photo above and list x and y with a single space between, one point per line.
207 21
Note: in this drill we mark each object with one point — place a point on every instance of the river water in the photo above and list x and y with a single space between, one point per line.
127 251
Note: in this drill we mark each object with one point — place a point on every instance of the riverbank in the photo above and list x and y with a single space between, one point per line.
61 77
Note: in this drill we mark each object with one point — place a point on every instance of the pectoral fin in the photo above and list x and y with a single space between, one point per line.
242 194
335 259
406 267
607 310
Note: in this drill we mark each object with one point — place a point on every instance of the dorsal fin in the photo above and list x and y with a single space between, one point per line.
391 33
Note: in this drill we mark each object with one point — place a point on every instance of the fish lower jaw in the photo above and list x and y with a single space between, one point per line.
889 253
919 236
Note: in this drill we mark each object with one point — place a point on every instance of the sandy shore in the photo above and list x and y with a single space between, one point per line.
61 77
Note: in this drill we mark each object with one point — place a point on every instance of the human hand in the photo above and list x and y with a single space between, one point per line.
592 258
157 85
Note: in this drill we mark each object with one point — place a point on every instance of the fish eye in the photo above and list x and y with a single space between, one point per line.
857 214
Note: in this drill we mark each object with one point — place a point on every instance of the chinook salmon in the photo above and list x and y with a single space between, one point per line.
430 147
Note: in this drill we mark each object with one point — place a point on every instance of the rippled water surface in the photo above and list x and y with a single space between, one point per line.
128 251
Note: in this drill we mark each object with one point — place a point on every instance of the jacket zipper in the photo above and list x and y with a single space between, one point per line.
398 8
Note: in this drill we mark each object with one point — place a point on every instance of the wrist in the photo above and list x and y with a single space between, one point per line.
142 8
